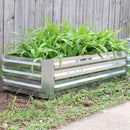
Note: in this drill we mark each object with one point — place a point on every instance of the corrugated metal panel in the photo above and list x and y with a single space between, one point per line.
82 80
128 56
87 69
17 73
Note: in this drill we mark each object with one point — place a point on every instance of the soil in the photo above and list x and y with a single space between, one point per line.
6 100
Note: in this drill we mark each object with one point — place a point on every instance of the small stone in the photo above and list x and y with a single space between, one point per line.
41 121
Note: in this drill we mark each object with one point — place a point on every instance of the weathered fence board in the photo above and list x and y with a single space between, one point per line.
86 11
19 17
123 20
117 16
98 15
9 21
57 12
19 14
92 13
65 10
128 57
1 29
128 18
48 9
30 14
79 12
39 10
72 12
105 17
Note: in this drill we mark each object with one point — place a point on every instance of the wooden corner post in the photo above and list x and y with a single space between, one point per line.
47 81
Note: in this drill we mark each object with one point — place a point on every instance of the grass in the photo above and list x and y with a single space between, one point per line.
48 114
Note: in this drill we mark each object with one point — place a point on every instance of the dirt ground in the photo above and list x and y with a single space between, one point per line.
6 99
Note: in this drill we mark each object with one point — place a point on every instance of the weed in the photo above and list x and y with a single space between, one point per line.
5 126
13 127
30 97
0 72
12 108
74 113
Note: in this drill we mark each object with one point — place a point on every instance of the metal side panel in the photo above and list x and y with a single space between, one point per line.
19 60
16 76
81 80
128 61
22 67
48 83
77 71
22 84
128 56
90 59
24 91
20 78
21 73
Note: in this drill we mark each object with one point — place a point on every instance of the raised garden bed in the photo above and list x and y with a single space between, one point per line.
76 48
128 57
49 79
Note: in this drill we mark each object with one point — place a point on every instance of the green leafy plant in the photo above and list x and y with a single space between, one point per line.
64 40
5 126
12 108
0 72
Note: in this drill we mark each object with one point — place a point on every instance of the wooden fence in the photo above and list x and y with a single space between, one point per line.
19 14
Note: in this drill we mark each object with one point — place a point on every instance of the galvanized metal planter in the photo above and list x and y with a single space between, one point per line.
128 57
49 78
